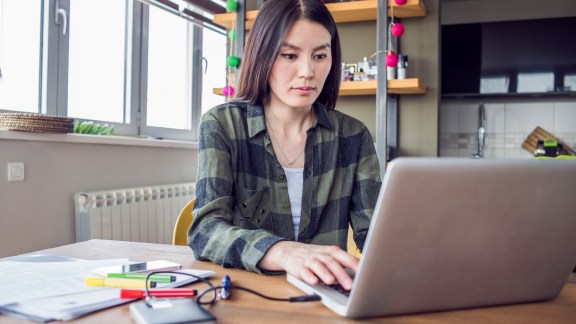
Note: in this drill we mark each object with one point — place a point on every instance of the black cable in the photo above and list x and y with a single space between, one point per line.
296 299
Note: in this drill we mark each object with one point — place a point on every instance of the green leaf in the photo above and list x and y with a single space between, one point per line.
90 127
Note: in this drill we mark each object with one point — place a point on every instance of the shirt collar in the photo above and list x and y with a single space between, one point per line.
322 115
257 124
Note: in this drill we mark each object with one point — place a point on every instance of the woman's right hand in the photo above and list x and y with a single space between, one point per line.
310 262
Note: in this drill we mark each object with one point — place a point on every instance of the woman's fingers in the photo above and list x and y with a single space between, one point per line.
340 275
308 276
337 261
328 263
347 260
323 269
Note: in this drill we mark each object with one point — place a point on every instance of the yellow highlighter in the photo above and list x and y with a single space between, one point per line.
118 283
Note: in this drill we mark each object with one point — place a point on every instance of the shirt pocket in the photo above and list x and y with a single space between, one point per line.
252 209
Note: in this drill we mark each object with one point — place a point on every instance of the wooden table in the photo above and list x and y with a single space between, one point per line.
247 308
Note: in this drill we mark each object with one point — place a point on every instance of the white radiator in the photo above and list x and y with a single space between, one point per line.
145 214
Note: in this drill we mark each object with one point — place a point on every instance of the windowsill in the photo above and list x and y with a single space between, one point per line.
96 139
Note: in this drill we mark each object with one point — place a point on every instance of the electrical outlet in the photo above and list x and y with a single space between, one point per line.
15 171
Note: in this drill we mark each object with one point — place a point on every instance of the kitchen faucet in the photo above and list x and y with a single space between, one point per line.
481 132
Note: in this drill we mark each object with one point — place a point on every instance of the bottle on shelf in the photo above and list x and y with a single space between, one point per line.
402 66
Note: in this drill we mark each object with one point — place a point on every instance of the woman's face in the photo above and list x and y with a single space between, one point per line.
301 68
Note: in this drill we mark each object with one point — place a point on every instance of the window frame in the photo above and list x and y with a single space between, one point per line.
194 90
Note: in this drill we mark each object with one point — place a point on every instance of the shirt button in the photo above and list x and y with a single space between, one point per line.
262 211
282 177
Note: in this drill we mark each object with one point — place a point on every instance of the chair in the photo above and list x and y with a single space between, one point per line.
352 248
180 235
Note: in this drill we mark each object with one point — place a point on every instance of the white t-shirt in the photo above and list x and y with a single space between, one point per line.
295 178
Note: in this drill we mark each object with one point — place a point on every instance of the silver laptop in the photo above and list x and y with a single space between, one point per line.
462 233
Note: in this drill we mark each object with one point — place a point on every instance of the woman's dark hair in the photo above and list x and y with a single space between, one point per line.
274 20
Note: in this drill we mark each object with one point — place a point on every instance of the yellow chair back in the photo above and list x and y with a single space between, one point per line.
352 248
180 235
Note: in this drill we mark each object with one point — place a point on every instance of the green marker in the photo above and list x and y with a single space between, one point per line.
142 276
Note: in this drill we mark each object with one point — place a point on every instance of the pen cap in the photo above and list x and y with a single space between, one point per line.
117 283
131 293
94 282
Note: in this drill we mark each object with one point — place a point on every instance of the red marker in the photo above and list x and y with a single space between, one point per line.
140 293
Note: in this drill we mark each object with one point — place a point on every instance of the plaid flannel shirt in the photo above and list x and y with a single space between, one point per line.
242 205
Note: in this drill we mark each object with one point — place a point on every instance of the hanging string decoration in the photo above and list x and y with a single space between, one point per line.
391 59
232 6
396 29
232 62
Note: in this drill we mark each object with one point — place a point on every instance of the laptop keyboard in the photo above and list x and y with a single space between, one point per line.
338 288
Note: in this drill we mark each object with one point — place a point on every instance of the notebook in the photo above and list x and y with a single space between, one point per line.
452 233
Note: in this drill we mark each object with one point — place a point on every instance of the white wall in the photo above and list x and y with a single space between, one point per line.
38 213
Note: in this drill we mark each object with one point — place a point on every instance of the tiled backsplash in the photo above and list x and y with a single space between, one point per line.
508 123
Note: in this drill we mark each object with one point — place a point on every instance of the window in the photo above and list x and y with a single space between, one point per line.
20 55
96 60
169 71
214 68
125 63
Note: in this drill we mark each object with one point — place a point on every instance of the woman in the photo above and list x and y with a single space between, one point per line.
281 173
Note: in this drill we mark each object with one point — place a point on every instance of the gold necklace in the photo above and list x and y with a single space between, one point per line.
290 162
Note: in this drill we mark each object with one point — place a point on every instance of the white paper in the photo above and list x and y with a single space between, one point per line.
23 281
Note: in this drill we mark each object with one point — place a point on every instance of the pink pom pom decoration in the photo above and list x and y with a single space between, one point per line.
397 29
400 2
391 59
228 91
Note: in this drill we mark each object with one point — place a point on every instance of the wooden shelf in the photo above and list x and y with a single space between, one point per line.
404 86
357 88
364 10
412 8
361 88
